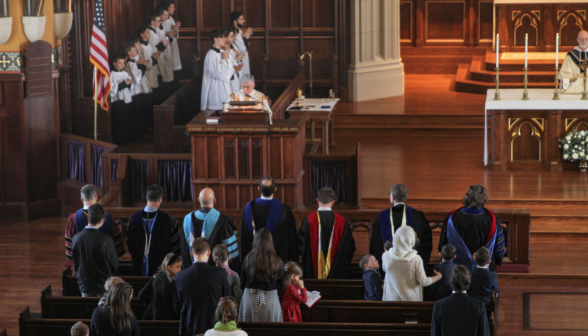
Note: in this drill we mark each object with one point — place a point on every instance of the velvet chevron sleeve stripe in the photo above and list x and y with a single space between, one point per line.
232 245
118 241
175 244
499 247
70 231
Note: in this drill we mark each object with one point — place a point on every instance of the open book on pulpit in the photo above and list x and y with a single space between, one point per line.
312 298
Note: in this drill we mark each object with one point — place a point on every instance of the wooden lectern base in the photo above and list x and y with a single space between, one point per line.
245 117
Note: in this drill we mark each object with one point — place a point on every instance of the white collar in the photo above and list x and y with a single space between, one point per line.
86 207
398 203
483 267
150 209
267 198
324 209
578 48
464 292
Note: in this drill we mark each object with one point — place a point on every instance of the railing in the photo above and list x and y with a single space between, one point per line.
285 99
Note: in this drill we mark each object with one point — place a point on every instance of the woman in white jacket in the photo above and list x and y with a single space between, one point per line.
405 274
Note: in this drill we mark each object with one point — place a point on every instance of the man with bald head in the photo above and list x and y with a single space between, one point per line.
209 223
268 213
570 69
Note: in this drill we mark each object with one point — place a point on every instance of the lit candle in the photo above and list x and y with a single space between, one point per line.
497 49
526 47
556 50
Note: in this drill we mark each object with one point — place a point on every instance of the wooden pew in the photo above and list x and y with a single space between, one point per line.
70 287
324 311
3 332
51 327
54 307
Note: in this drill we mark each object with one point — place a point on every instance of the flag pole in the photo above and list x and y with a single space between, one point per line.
95 106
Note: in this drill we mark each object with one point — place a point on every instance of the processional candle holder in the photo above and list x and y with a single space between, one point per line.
497 92
556 91
525 91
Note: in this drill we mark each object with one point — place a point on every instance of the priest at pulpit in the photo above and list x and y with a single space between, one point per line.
248 93
571 70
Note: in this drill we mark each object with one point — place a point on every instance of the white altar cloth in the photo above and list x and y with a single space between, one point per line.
539 99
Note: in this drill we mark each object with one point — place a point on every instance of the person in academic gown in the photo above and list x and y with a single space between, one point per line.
402 214
271 214
152 234
77 221
216 76
472 227
325 241
209 223
242 39
570 68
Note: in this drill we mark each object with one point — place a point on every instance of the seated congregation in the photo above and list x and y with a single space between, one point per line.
209 276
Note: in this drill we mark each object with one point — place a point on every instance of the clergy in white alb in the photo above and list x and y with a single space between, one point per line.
242 40
570 69
216 78
248 93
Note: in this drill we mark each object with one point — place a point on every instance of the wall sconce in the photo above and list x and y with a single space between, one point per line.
5 22
33 21
62 19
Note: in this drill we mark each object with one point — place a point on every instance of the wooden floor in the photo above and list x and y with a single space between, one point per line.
437 165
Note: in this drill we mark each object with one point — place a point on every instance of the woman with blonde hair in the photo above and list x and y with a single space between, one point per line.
160 293
405 274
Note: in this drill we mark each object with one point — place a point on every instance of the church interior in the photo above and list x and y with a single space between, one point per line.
437 95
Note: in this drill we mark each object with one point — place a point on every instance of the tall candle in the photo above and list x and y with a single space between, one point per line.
557 50
526 48
497 49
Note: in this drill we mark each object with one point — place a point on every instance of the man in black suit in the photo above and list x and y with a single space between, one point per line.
460 314
200 288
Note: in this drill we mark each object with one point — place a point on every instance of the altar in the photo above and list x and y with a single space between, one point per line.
524 133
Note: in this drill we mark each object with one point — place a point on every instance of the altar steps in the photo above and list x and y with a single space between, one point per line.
478 76
437 60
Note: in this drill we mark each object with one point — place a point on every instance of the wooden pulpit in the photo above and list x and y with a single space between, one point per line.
232 156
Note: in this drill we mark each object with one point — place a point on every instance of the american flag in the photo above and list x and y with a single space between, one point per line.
99 57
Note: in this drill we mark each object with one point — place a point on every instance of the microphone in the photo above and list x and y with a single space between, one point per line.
247 95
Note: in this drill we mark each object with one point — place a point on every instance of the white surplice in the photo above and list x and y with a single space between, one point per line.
240 44
164 61
117 77
146 52
175 51
216 80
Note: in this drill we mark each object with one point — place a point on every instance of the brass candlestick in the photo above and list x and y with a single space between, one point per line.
525 91
556 92
497 92
584 66
299 93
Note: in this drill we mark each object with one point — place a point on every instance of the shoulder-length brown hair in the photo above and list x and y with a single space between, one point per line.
119 301
263 262
476 197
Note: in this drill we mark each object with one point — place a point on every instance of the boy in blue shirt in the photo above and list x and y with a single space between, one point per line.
484 282
442 289
371 278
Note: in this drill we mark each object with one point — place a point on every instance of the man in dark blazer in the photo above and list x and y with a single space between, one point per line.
459 314
200 288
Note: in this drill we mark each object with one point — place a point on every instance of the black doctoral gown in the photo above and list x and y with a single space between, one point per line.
165 238
419 223
345 251
284 239
224 232
473 230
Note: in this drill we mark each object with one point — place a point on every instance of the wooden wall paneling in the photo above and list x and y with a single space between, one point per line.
504 23
280 13
471 22
212 162
569 23
548 30
485 21
214 14
244 195
445 21
420 23
282 63
526 140
323 11
526 22
406 22
252 11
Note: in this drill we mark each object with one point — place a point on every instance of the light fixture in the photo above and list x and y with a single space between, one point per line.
5 22
33 21
62 18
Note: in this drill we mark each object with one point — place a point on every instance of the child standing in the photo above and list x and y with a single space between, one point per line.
221 257
121 98
371 279
484 282
294 293
443 289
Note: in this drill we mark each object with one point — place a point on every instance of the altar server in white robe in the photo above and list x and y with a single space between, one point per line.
136 67
170 25
242 39
159 41
570 69
216 77
121 99
151 54
236 57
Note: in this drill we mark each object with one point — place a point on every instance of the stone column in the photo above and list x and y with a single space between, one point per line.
376 70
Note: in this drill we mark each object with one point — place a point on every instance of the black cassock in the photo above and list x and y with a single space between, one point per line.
419 223
284 237
224 232
345 250
473 226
